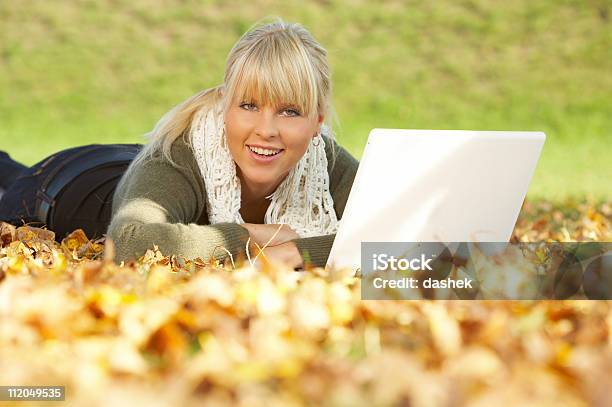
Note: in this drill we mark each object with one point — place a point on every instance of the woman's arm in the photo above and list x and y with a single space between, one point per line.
315 250
158 204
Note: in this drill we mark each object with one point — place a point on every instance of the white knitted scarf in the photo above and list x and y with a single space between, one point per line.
302 200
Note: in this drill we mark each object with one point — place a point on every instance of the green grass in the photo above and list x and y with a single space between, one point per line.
83 72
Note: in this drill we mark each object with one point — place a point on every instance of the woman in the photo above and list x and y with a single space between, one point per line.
250 158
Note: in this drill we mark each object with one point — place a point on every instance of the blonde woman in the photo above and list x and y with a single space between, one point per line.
250 158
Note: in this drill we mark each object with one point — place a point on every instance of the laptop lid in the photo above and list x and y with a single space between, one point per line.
436 186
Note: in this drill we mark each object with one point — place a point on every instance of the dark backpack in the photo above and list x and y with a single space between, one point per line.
72 189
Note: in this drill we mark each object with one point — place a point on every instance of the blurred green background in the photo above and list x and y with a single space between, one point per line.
79 72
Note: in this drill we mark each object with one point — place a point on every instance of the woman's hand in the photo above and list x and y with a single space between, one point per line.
285 253
261 234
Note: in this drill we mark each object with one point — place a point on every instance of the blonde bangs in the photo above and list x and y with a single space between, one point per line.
276 73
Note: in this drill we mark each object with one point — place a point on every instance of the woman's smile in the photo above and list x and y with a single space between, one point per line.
264 155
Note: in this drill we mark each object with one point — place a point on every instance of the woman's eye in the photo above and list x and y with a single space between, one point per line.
291 112
247 106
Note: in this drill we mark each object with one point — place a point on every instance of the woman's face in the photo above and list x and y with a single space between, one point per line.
267 142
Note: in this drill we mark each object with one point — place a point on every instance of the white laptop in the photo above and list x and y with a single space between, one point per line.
436 186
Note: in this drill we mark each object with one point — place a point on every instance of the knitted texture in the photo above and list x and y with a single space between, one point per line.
302 201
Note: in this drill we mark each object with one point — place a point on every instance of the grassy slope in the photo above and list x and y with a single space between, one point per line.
86 71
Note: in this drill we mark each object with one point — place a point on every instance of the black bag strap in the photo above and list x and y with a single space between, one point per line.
82 160
46 199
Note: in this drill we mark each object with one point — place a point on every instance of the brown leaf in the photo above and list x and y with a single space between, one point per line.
8 234
29 233
74 240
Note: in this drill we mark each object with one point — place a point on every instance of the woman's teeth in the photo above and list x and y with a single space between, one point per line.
264 151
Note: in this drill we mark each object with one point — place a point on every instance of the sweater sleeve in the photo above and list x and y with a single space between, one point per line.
158 204
315 250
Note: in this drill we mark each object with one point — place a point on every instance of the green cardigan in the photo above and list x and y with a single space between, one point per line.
156 203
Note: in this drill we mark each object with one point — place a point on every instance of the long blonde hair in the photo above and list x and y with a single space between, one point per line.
273 63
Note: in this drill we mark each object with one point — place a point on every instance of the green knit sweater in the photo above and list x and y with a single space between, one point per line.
156 203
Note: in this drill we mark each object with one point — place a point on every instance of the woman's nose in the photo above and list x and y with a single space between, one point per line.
266 125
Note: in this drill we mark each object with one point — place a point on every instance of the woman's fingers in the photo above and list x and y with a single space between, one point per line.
274 234
281 233
270 234
286 253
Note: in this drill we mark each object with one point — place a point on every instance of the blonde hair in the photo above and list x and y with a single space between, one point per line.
272 63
